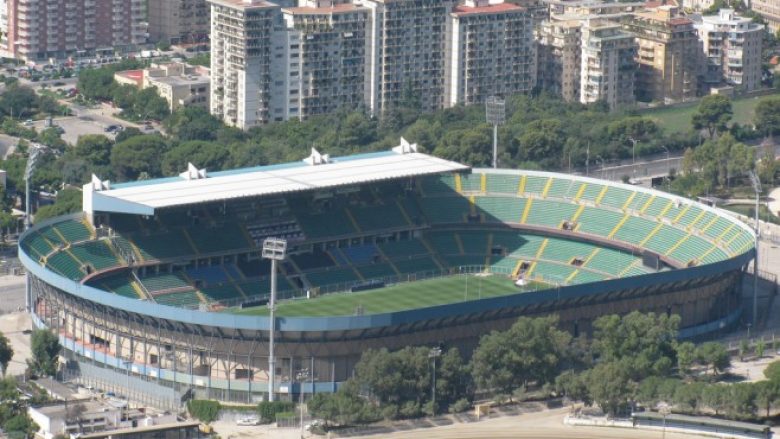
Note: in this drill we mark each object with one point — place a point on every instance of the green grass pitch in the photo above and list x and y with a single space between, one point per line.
399 297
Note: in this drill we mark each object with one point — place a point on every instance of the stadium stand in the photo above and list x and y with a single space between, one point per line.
98 254
360 254
164 281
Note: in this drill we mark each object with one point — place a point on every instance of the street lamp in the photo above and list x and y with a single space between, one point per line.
599 159
495 113
35 152
434 354
756 182
668 165
273 249
633 154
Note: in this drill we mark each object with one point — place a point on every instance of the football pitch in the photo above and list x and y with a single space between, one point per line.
399 297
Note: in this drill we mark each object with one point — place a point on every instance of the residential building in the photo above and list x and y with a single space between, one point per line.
325 59
179 83
769 10
490 50
732 50
583 9
178 21
244 45
406 52
39 30
697 5
608 65
667 57
559 58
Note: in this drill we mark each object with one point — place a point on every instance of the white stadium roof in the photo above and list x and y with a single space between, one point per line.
315 172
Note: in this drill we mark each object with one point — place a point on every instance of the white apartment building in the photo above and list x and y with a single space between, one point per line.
39 30
490 50
406 52
325 59
559 58
608 65
732 50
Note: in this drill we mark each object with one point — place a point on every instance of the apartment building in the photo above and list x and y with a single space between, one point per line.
325 59
178 21
667 57
559 58
769 10
583 9
732 50
608 65
489 51
39 30
406 53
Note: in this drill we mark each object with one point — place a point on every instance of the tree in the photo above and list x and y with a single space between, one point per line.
45 348
20 426
716 397
542 141
192 123
713 114
609 386
714 354
208 155
688 396
127 133
97 84
532 350
136 155
95 149
767 116
772 372
760 347
767 393
742 400
6 352
68 201
344 407
743 348
686 355
206 411
18 101
573 386
148 104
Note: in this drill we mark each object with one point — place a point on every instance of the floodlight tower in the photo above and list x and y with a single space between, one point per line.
273 249
756 182
495 112
35 151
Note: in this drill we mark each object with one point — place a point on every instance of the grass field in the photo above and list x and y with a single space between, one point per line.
399 297
678 119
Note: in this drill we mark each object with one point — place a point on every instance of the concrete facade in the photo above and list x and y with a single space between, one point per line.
178 21
608 65
38 30
489 51
732 50
560 58
769 10
667 57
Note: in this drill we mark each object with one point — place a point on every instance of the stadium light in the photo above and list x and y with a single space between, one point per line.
35 151
756 182
495 113
273 249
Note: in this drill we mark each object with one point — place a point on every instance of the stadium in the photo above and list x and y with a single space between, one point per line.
160 284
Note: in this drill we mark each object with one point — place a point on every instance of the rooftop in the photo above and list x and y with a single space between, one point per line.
489 9
335 9
318 171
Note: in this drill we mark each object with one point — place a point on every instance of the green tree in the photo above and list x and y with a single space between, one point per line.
767 115
68 201
148 104
716 397
95 149
686 355
609 386
206 411
688 396
572 385
742 400
20 426
532 350
138 154
714 354
192 123
542 141
760 347
97 84
767 393
713 114
6 352
45 348
18 101
202 154
772 372
343 407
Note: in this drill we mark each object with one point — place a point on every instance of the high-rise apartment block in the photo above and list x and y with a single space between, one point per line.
668 55
489 51
406 52
608 65
38 30
559 58
732 50
276 61
178 21
325 59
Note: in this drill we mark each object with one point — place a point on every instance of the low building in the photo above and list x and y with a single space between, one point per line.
179 83
90 416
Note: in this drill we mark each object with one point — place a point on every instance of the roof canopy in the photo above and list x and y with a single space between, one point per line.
318 171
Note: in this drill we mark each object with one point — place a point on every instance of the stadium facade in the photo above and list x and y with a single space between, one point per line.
150 284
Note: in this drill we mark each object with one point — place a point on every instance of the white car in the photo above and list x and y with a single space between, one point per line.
249 420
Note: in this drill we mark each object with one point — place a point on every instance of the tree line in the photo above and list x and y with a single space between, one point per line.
631 361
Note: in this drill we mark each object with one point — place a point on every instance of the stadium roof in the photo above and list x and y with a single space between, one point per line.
317 171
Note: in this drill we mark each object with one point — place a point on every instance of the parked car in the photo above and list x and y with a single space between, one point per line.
249 420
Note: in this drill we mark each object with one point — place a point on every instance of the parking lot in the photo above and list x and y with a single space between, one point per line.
75 127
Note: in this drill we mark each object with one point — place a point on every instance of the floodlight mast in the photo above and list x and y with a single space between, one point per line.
273 249
756 182
36 150
495 113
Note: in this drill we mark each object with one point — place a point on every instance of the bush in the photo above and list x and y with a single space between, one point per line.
269 410
204 410
460 405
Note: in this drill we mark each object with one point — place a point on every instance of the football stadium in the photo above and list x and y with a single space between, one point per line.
162 283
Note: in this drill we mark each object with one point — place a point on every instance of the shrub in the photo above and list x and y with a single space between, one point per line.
268 410
204 410
460 405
